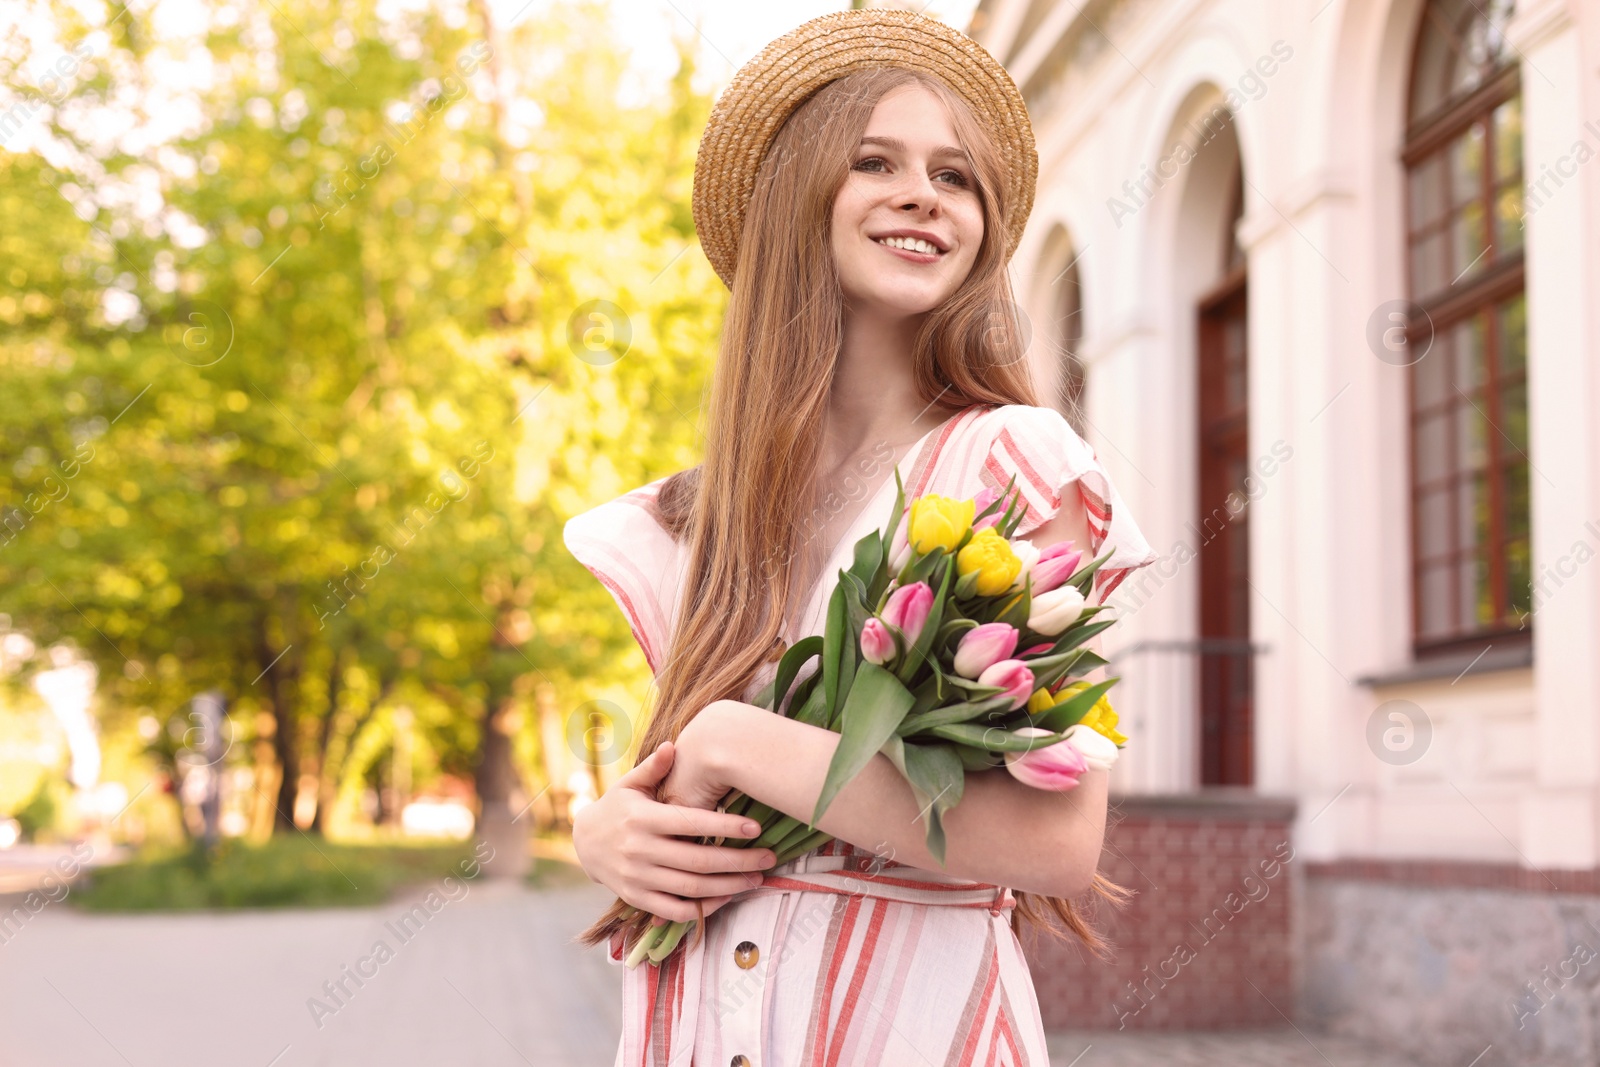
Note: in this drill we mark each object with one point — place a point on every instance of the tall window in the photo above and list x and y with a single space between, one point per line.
1066 298
1468 393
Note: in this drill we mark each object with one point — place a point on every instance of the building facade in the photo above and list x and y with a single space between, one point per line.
1320 280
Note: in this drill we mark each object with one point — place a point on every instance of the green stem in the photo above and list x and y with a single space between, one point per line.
646 942
794 837
800 848
775 833
669 940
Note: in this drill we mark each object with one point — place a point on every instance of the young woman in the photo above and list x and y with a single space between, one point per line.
860 187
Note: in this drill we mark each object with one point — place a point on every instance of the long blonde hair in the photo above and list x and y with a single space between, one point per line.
742 506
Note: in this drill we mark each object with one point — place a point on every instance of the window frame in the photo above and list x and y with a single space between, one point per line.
1459 302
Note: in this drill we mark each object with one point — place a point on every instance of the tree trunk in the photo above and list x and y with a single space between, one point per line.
279 671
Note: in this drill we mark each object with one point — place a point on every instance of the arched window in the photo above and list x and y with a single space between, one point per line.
1066 300
1468 392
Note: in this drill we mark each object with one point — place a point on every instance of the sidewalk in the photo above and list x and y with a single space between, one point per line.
490 978
1264 1048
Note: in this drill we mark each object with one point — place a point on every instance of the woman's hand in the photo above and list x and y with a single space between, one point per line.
699 775
633 845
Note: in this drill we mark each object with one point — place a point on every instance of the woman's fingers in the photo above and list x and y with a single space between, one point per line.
698 886
650 770
674 820
711 859
664 906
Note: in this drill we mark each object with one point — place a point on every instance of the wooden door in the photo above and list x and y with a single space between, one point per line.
1226 697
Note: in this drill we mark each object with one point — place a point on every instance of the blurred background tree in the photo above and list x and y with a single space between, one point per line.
304 372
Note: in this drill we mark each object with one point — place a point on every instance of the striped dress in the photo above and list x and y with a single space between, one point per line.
842 956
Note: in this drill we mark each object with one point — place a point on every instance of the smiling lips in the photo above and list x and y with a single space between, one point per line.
914 249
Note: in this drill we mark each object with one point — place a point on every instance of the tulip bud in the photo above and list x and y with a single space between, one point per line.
1098 750
938 522
983 646
984 498
907 609
1055 767
1052 612
877 643
1013 678
1029 555
1055 565
900 546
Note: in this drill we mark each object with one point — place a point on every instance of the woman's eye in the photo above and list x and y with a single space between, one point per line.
960 179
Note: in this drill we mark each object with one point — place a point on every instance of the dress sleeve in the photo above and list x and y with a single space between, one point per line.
1039 446
621 544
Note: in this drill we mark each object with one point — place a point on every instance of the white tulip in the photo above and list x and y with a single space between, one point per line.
1098 750
1029 555
1050 613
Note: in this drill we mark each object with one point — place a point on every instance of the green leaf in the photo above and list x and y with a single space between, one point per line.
1069 711
1015 612
1085 577
813 711
967 585
977 759
937 778
875 705
869 558
833 638
807 696
1074 664
992 738
953 713
794 658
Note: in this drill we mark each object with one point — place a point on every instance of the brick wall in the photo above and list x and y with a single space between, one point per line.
1206 941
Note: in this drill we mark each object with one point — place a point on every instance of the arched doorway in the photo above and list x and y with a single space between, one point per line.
1227 704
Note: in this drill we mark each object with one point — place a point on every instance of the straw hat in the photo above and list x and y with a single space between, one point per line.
766 90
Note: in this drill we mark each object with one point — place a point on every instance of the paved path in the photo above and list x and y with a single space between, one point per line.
1262 1048
489 979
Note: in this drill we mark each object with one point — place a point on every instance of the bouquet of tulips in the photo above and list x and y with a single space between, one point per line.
920 661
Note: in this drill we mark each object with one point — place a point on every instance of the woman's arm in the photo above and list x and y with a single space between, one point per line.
1001 831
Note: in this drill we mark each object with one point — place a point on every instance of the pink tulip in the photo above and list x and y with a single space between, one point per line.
1055 767
907 609
877 643
1036 649
900 545
1054 566
1013 677
982 500
983 646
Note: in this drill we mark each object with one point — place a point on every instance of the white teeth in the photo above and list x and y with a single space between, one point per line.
912 244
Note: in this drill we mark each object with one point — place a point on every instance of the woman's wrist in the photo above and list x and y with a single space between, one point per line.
726 721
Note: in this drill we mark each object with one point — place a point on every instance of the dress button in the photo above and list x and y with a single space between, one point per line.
745 955
741 1060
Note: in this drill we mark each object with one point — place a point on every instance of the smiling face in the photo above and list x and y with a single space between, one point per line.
907 175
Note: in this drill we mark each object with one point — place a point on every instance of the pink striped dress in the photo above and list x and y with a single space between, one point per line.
844 957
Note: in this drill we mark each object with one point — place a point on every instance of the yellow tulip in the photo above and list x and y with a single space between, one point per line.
990 555
939 522
1100 718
